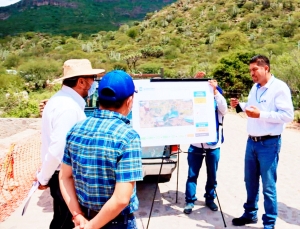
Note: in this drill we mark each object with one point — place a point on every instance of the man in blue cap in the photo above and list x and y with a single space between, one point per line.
102 160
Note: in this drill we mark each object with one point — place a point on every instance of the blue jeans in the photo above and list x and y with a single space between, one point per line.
195 158
261 160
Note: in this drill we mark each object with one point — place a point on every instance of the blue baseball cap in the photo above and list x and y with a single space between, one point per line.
115 86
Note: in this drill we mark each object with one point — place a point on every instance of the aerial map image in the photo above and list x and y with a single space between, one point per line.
164 113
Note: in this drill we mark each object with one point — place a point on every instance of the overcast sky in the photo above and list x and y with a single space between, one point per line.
7 2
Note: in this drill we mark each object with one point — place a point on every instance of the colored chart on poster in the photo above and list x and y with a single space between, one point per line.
174 112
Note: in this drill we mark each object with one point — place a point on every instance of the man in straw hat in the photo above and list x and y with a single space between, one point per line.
61 112
102 160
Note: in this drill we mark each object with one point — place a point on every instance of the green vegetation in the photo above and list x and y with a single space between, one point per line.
216 36
74 17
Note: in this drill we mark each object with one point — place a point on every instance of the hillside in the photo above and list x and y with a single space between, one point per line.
73 17
215 36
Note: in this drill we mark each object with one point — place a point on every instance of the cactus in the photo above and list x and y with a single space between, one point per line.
249 25
3 54
212 38
164 23
114 55
165 40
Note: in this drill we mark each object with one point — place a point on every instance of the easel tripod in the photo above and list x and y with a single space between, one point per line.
165 157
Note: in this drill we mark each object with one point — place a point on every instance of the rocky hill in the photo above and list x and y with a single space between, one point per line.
73 17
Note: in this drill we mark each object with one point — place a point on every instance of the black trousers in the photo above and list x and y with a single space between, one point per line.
62 217
120 222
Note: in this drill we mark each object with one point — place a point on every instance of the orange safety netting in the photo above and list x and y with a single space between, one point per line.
17 171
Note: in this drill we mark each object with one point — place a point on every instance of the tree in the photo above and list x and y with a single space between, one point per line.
131 60
232 73
37 72
231 40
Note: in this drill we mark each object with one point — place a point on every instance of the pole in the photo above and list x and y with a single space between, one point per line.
162 160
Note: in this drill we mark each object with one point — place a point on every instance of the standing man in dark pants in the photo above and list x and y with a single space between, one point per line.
268 108
210 152
61 112
103 160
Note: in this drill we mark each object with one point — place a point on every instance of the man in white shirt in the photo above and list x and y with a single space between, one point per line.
61 112
268 108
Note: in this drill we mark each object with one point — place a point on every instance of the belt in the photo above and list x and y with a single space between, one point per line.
262 138
120 219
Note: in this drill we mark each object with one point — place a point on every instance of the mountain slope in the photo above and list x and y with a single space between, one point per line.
73 17
215 36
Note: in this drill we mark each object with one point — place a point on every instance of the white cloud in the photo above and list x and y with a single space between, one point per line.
7 2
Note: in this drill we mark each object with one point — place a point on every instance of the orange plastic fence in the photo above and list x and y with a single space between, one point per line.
17 171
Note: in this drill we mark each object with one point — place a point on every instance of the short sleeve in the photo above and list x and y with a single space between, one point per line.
129 168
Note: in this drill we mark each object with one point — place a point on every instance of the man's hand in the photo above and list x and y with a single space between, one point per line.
214 85
42 106
252 112
86 225
234 102
43 187
79 221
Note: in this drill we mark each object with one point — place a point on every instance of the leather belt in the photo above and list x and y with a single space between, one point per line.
120 219
262 138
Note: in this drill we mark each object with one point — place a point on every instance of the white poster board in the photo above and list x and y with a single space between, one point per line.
170 113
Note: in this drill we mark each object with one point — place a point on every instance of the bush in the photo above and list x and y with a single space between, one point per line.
170 73
297 116
37 72
10 81
171 52
150 68
12 61
19 107
232 73
120 66
154 51
132 33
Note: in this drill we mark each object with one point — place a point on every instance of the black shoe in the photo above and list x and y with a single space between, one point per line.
242 221
212 206
188 208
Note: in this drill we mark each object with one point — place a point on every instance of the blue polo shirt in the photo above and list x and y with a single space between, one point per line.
102 150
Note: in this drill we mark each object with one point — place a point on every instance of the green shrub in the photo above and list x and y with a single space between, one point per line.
37 72
171 52
132 32
288 29
12 61
120 66
150 68
154 51
297 116
10 81
170 73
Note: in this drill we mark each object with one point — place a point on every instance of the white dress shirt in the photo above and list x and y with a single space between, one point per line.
274 101
222 110
61 112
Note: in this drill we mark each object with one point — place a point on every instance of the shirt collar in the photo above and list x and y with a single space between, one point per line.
267 85
110 115
74 95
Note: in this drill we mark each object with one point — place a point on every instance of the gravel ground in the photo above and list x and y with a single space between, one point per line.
11 126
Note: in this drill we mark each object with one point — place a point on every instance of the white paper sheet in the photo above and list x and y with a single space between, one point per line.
34 187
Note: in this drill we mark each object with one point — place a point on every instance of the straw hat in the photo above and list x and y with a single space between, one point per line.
78 67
